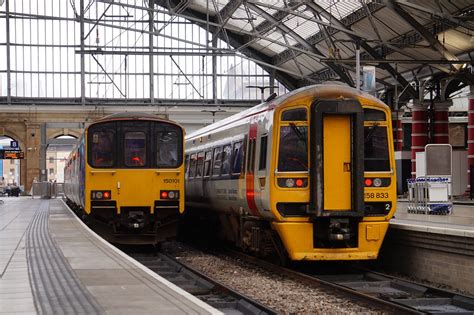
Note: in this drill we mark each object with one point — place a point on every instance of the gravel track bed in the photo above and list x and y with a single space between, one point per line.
284 295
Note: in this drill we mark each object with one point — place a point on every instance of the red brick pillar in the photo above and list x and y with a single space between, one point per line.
470 135
441 122
397 130
419 132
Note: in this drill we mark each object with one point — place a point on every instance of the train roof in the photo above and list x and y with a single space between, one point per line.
134 116
322 91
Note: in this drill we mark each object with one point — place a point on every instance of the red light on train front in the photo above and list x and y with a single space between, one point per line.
164 194
169 194
299 182
101 194
368 182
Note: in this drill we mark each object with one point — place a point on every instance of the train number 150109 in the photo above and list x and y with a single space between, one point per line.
371 195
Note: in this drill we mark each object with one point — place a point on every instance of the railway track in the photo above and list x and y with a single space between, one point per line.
383 291
208 290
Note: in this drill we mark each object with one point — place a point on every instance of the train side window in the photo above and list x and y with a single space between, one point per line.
192 166
226 159
200 163
207 164
297 114
102 148
186 164
262 163
135 148
237 158
216 167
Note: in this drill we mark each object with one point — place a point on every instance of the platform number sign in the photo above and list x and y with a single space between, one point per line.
14 144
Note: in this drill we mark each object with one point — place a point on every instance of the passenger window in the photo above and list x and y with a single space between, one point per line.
216 168
237 158
135 149
103 148
192 166
186 165
226 158
293 151
297 114
200 163
262 164
207 164
167 149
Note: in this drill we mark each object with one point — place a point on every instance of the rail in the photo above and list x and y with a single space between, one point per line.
385 291
210 291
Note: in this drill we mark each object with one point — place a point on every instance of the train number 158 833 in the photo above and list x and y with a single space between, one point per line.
371 195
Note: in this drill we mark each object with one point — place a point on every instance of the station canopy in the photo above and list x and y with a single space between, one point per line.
304 42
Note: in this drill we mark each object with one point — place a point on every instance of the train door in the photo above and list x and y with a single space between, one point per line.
261 184
250 169
337 167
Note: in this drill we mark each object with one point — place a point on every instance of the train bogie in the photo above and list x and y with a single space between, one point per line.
311 172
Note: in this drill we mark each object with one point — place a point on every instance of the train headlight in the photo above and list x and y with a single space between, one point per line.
290 182
169 194
377 182
101 195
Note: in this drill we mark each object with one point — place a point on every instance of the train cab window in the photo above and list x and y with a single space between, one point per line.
167 147
207 164
199 163
102 147
262 163
135 149
376 154
373 115
192 166
297 114
216 167
237 158
226 159
293 148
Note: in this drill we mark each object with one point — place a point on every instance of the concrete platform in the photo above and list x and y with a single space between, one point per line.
51 263
459 223
436 248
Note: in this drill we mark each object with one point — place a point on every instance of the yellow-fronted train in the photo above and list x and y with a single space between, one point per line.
309 175
125 178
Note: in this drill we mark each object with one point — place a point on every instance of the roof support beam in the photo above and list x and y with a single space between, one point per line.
352 18
317 9
235 40
341 73
435 44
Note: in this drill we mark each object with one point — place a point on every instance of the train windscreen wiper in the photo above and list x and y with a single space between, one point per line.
371 133
298 133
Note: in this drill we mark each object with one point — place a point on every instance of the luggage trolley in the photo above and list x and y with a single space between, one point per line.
429 195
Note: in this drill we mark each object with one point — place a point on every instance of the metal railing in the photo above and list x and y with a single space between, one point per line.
47 190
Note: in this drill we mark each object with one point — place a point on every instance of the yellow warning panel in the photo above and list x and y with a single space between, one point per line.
337 162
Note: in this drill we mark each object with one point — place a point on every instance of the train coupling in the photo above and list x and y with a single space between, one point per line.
339 230
136 220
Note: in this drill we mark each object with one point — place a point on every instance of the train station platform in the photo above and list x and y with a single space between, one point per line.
459 223
435 248
51 263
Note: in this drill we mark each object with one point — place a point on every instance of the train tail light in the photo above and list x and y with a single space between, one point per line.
169 194
101 195
368 182
292 182
377 182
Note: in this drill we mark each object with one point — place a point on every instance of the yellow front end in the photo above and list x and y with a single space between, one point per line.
297 237
137 204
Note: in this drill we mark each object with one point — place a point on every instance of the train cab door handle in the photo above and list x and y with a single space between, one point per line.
347 166
118 188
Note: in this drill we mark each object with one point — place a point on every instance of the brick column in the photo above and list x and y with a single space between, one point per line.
470 135
441 123
419 132
397 130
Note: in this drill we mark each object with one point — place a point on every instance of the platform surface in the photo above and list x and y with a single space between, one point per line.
51 263
459 223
